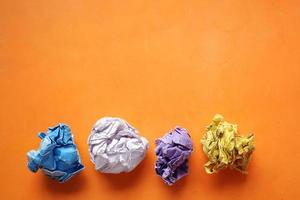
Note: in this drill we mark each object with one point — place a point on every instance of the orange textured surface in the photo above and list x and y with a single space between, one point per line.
157 65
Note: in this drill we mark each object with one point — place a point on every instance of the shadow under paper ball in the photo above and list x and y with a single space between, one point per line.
126 180
177 187
73 185
229 177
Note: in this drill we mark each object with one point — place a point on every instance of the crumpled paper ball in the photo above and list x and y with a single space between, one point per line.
224 148
57 156
173 151
115 146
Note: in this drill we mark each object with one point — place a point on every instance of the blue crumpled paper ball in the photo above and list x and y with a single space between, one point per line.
57 156
173 151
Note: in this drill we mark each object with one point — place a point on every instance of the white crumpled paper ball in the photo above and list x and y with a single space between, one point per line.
115 146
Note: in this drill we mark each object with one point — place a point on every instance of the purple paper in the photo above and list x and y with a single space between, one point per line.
173 151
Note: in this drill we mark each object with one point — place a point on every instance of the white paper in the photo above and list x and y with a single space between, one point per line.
115 146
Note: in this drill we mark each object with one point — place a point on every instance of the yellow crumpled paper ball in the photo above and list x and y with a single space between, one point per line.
224 148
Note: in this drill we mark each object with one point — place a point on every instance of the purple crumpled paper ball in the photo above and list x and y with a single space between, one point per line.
173 151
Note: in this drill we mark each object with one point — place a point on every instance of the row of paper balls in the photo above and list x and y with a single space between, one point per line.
115 147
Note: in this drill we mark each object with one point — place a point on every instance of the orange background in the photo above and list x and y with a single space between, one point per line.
157 65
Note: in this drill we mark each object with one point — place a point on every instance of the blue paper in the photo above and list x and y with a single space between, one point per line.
57 156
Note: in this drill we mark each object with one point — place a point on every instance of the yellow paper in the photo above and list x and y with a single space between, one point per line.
224 148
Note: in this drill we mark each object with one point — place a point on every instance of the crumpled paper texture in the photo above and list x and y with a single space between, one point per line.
224 148
57 156
173 151
115 146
